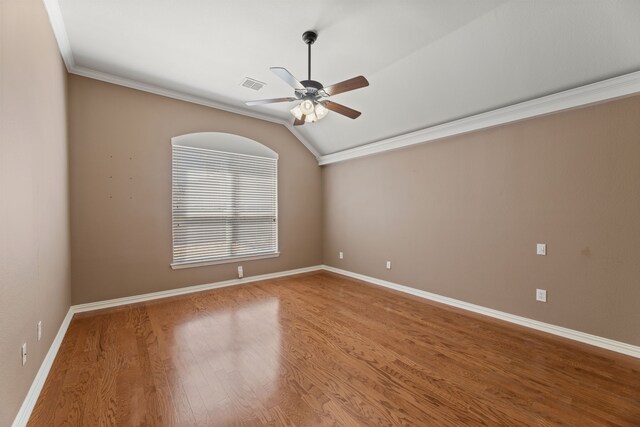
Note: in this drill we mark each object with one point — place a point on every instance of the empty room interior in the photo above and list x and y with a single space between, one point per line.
345 213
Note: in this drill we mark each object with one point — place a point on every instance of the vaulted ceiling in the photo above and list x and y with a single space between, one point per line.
428 62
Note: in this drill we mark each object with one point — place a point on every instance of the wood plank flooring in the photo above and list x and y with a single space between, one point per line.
323 349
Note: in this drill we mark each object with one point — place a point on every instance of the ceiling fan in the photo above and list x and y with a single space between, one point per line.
314 105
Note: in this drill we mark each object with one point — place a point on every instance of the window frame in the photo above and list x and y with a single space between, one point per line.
233 145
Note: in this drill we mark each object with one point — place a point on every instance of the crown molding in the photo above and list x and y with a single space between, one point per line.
57 24
157 90
604 90
301 138
60 32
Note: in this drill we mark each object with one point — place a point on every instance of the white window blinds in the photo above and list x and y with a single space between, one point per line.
225 206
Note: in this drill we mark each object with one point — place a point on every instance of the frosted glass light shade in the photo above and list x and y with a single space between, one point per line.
321 111
311 110
306 107
297 113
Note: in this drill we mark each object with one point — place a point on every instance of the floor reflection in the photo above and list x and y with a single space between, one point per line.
231 353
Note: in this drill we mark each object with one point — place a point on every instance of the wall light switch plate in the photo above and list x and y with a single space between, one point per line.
541 295
388 265
39 329
341 255
23 349
240 272
541 249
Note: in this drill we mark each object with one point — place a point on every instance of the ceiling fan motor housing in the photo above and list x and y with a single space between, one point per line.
312 85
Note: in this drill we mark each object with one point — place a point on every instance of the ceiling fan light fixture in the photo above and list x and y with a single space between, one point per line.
310 110
307 107
297 112
312 94
310 118
321 111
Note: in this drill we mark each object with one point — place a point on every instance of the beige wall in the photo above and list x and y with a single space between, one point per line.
121 191
461 218
34 230
458 217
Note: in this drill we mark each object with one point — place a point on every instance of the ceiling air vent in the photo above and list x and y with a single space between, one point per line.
252 83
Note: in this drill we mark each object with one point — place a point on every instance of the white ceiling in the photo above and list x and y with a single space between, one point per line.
428 62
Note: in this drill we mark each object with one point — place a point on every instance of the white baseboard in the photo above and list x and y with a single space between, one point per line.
36 387
594 340
187 290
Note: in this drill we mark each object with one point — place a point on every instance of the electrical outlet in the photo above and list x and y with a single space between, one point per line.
341 255
388 265
240 272
541 295
24 354
541 249
39 329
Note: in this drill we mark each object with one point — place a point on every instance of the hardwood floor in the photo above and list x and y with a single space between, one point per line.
322 349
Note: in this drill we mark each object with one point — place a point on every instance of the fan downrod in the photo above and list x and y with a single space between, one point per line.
312 90
309 37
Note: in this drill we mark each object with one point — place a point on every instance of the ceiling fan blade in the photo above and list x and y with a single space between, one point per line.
300 121
287 77
341 109
270 101
346 86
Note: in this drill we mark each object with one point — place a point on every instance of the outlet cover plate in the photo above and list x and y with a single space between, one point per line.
23 350
541 295
541 249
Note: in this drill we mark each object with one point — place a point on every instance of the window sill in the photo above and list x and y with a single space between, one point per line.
224 261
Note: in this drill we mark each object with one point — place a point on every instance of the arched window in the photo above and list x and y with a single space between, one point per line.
225 199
